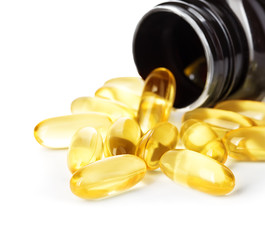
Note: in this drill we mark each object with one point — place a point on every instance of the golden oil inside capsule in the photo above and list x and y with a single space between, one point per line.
197 72
221 121
197 171
157 98
135 84
57 132
246 144
122 95
185 125
251 109
86 147
156 142
108 177
196 134
93 104
122 137
216 150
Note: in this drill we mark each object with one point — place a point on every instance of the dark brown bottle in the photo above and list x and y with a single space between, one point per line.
215 48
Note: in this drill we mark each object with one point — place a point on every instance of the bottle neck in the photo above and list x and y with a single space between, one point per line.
178 34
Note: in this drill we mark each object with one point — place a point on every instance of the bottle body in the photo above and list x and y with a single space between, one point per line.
215 49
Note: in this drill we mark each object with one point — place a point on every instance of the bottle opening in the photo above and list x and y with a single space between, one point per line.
164 39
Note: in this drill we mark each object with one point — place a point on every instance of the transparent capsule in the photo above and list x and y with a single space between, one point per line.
197 171
93 104
185 125
246 144
86 147
108 177
122 137
135 84
221 121
216 150
163 137
122 95
196 134
57 132
251 109
157 98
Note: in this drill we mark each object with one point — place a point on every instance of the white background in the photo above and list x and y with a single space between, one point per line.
52 52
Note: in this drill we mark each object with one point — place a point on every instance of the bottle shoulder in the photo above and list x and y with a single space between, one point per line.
251 14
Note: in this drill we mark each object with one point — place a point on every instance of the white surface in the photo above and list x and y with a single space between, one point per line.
52 52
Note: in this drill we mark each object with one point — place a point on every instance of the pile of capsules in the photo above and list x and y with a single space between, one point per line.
127 121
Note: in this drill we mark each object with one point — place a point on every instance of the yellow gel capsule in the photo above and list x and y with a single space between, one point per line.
135 84
86 147
185 125
57 132
124 96
108 177
122 137
246 144
94 104
196 134
216 150
252 109
197 171
156 142
221 121
157 98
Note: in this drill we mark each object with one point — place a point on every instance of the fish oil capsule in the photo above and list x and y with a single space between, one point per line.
99 105
157 98
221 121
108 177
196 134
185 125
86 147
135 84
216 150
163 137
197 171
57 132
246 144
122 95
122 137
251 109
199 136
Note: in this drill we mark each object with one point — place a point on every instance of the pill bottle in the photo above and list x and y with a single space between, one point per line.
214 48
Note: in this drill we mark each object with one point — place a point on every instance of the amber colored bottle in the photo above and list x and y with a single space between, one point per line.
214 48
